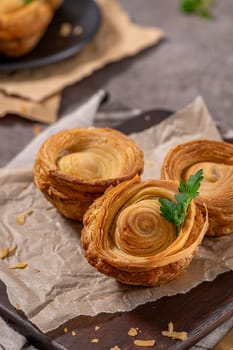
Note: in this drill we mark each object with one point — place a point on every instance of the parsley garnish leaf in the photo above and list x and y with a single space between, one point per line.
194 182
175 211
200 7
168 209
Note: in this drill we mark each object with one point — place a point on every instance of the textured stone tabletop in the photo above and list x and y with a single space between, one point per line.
195 58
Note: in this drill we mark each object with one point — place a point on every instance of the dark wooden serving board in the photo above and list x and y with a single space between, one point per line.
197 312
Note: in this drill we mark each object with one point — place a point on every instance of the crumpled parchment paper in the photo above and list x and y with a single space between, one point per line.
58 284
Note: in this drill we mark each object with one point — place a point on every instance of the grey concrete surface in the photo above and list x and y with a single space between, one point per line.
195 58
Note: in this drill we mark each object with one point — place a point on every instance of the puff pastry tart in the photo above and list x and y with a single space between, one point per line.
125 236
76 166
23 23
216 190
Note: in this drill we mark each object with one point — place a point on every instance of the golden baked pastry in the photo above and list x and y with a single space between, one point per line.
76 166
23 23
125 236
216 191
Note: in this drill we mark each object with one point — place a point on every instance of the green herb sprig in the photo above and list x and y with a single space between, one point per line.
200 7
28 1
175 211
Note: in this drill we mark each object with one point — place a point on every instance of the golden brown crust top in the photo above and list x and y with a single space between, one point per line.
92 157
125 236
78 165
216 191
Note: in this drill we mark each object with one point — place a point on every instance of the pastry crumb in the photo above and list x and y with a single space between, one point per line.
5 252
149 162
95 340
21 218
173 334
12 249
24 109
20 265
65 330
36 129
78 30
65 29
147 118
73 333
148 343
36 270
97 328
17 307
132 332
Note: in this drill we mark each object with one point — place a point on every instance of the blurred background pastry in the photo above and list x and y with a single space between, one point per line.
23 23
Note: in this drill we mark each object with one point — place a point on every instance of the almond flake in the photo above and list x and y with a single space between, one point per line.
65 330
73 333
144 342
115 348
95 340
132 332
97 328
20 265
174 335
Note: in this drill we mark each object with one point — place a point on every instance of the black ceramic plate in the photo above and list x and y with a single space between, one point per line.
53 47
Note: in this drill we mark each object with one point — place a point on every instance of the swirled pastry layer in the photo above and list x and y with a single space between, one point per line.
124 235
216 191
76 166
22 25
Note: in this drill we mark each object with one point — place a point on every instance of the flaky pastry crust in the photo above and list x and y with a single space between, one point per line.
216 191
76 166
22 25
125 236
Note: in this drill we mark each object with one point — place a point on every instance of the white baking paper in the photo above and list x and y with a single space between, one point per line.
58 284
